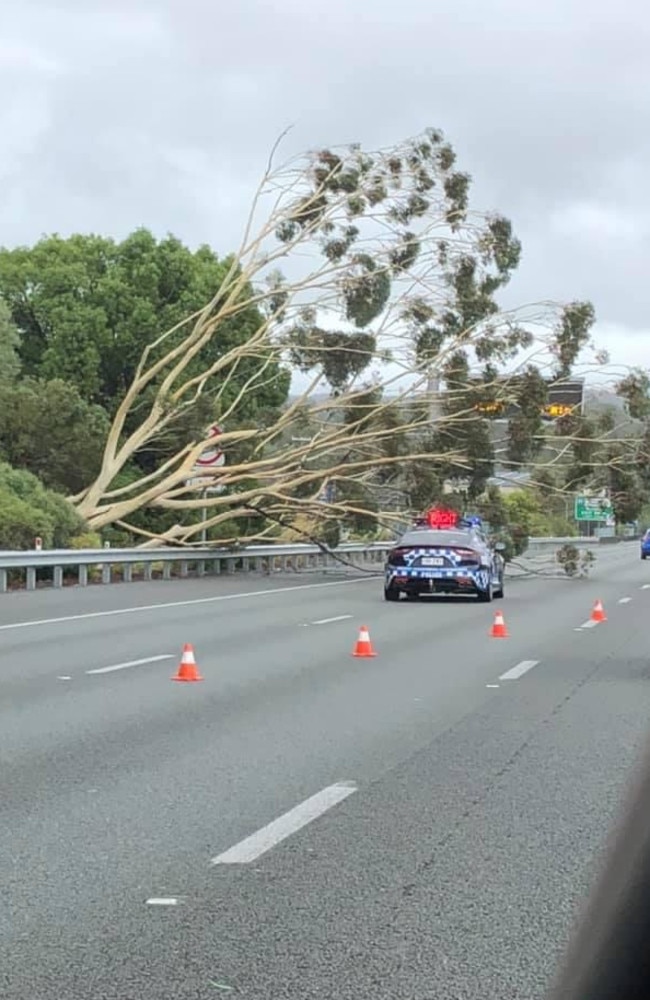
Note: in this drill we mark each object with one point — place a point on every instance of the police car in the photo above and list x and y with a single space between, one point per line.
445 553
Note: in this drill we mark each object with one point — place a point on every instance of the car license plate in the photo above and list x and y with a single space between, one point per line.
433 562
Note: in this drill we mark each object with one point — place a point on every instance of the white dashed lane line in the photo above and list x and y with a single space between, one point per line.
131 663
516 672
328 621
624 600
290 822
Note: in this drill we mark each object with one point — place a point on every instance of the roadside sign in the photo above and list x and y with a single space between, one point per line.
593 509
212 457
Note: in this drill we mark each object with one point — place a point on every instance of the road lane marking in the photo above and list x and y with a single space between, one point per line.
185 604
131 663
589 624
624 600
64 678
163 901
289 823
516 672
326 621
646 586
492 685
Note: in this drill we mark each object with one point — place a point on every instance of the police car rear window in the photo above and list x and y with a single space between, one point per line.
438 538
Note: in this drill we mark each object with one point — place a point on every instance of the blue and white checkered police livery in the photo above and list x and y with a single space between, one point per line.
455 559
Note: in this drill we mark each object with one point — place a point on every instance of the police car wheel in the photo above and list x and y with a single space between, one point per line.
485 596
500 592
390 594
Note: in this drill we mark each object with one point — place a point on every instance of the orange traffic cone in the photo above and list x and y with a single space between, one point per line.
363 645
499 630
598 613
188 670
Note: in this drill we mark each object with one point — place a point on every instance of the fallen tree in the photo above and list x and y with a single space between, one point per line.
388 289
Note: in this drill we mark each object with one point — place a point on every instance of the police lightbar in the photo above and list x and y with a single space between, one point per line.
441 518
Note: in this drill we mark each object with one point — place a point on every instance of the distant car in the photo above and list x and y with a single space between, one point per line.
456 560
645 545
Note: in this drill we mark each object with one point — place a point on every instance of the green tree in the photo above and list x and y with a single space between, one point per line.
9 346
87 308
49 430
28 510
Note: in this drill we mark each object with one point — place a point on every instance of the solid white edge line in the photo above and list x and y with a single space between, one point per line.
131 663
184 604
326 621
284 826
516 672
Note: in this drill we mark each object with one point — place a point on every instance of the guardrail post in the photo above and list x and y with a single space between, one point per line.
106 573
147 572
217 567
167 571
127 572
83 575
3 581
184 570
57 576
30 578
200 567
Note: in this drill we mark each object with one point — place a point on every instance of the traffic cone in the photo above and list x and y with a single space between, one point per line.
499 630
598 613
188 670
363 645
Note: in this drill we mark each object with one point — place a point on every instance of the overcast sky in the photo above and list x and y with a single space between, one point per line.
161 113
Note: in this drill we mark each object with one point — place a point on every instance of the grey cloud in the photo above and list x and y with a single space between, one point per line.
163 115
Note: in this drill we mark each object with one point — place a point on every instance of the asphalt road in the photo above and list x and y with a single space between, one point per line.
454 816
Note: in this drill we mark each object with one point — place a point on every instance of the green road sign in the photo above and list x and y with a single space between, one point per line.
593 509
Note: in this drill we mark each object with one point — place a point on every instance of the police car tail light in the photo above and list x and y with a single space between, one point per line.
467 555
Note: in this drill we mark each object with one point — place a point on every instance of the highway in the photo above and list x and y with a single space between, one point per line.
421 825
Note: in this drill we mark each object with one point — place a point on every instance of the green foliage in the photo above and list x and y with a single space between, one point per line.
635 389
465 432
417 198
21 523
86 540
525 426
87 307
341 356
9 347
28 510
572 334
48 429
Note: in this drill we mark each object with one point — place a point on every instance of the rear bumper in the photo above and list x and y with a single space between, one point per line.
437 581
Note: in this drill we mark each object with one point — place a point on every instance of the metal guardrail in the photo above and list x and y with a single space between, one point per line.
255 558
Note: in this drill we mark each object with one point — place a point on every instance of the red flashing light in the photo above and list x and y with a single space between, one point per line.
438 517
